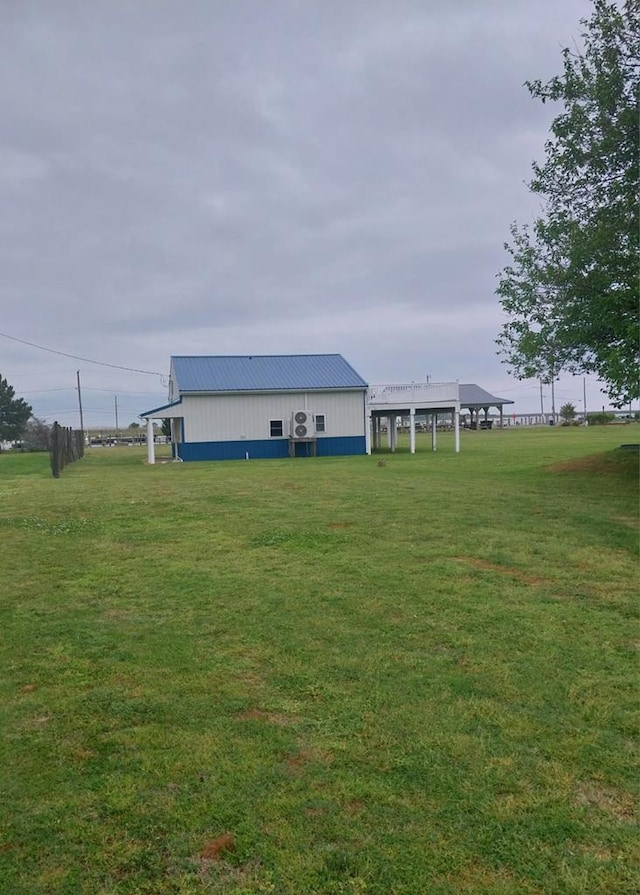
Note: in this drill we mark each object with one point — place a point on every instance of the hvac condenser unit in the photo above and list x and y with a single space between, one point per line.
302 424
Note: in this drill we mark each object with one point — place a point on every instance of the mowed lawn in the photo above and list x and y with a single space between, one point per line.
323 676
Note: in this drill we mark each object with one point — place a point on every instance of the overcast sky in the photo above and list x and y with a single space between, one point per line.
264 176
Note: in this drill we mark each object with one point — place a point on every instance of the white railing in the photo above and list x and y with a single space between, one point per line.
414 393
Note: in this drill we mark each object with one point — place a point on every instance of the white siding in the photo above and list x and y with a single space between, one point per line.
247 416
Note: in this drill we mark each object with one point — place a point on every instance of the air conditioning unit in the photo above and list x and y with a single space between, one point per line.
302 424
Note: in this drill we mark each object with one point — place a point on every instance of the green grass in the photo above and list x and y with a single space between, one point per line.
411 678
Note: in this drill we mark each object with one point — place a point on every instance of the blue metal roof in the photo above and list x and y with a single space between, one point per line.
286 372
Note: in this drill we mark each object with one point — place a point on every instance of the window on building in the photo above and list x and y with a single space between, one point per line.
320 426
276 428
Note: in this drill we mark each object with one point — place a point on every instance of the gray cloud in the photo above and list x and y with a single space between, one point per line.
245 177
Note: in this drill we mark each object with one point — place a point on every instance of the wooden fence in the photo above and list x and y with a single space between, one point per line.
67 445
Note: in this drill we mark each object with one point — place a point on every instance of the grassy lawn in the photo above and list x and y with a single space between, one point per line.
323 676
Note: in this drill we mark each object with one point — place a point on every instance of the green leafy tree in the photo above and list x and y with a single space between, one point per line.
568 412
166 428
571 289
14 413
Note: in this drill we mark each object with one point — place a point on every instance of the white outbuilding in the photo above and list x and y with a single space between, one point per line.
263 406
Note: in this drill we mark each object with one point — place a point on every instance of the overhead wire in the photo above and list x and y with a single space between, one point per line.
85 388
85 360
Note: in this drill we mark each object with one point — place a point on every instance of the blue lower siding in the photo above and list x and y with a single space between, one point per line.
268 449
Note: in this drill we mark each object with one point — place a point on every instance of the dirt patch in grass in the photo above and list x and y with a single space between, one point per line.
612 463
216 848
295 763
354 807
619 805
81 753
627 520
38 721
314 811
487 566
221 877
475 877
596 851
53 877
338 525
119 614
270 717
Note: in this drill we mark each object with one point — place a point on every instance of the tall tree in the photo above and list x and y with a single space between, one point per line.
571 288
14 413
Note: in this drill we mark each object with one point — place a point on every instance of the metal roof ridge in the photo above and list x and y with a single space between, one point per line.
247 356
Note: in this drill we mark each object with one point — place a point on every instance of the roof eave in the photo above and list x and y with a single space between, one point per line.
156 413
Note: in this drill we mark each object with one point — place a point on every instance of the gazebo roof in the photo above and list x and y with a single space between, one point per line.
472 395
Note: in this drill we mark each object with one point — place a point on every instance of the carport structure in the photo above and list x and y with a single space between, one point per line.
392 400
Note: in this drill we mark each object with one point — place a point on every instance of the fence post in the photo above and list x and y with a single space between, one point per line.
67 445
55 451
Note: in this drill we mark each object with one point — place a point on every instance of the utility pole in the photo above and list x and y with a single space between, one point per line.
584 399
116 405
80 403
541 403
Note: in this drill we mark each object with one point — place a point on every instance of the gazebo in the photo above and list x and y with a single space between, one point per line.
474 399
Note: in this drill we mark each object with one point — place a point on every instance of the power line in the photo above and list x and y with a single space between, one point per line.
86 388
41 391
86 360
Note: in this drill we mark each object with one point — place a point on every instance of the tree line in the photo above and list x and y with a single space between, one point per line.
15 413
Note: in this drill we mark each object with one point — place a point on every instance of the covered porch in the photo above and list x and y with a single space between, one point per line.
392 401
173 412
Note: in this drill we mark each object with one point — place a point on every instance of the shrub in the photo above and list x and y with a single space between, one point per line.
600 419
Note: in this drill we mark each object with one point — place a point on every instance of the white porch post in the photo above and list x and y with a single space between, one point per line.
434 437
151 451
367 432
456 430
412 430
